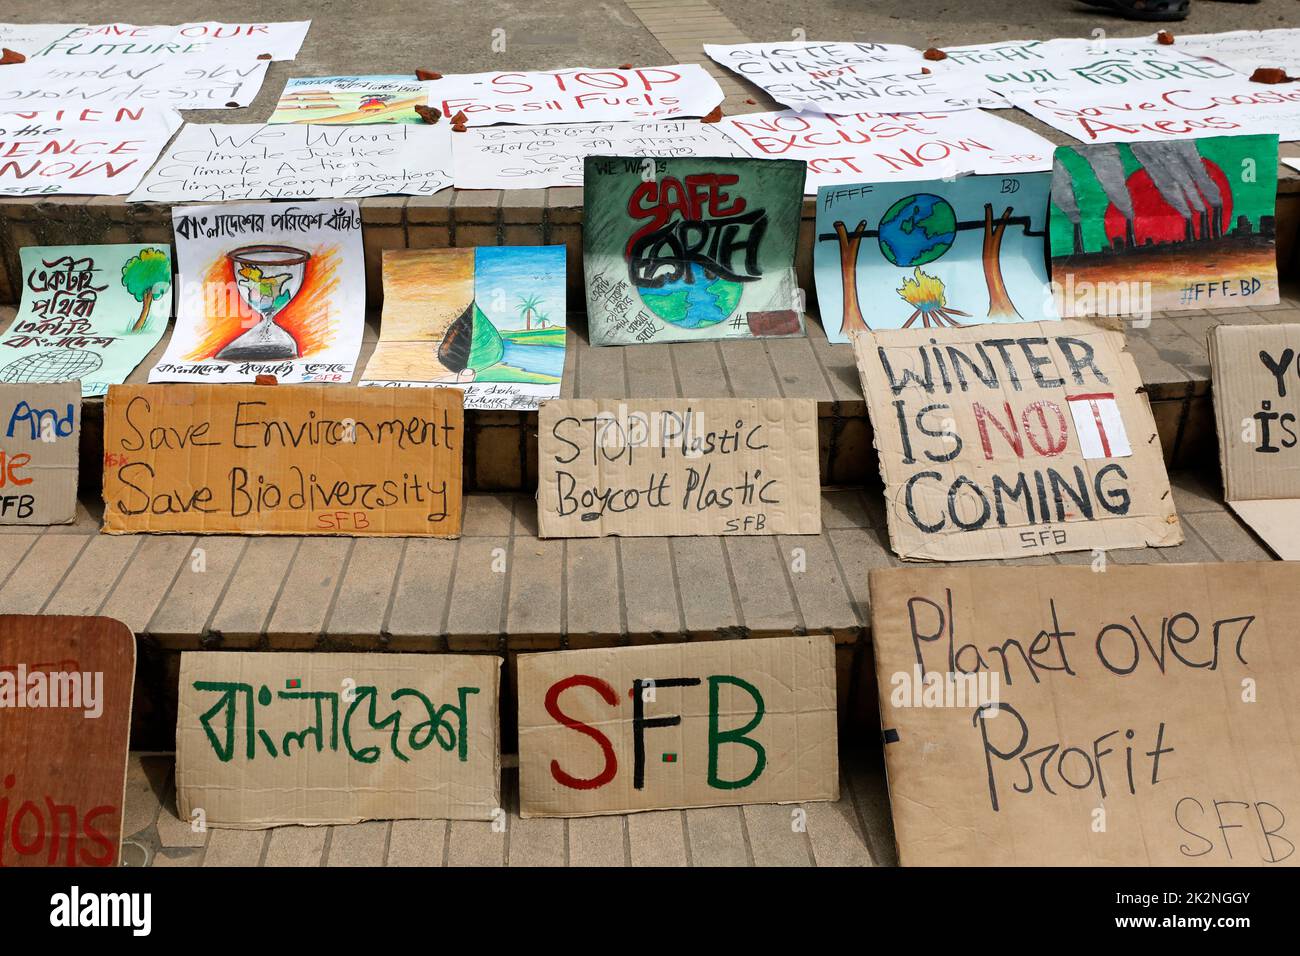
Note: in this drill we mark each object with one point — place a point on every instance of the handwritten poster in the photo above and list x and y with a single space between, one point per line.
266 740
931 255
1057 716
1005 443
489 321
111 81
351 100
253 161
533 157
579 95
38 451
282 459
678 467
82 151
678 250
88 313
1247 50
248 41
713 723
266 289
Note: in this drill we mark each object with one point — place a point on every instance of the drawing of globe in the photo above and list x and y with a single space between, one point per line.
696 304
917 229
56 365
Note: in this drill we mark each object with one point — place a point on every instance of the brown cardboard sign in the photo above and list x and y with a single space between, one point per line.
1062 716
715 723
268 739
38 452
651 467
65 716
1256 404
282 459
1004 441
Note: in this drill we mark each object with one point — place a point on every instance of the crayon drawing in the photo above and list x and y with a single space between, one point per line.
351 100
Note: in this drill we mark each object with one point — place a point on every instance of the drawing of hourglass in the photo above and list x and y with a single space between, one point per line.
268 277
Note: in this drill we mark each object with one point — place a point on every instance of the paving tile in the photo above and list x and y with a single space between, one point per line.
172 830
835 833
538 841
246 605
42 569
475 843
717 836
601 373
597 841
176 857
775 837
359 844
866 778
704 586
844 508
296 846
147 578
859 552
1227 537
591 589
92 578
146 784
798 372
1192 550
763 591
824 601
649 593
474 619
196 589
657 838
13 548
487 515
234 847
699 370
361 605
534 611
305 599
748 369
417 843
650 379
420 596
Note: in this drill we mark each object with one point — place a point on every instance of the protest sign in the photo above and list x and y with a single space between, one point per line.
1247 50
532 157
1256 382
65 701
714 723
678 250
251 161
90 313
109 81
265 740
1055 716
884 147
30 38
266 289
1184 224
343 100
248 41
282 459
678 467
489 322
1004 443
38 452
83 151
952 253
579 95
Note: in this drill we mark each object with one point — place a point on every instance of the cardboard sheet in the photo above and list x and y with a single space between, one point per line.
638 467
38 452
713 723
265 740
1057 716
1002 443
282 459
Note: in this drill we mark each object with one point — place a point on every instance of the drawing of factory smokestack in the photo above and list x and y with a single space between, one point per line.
1108 167
1063 196
1179 175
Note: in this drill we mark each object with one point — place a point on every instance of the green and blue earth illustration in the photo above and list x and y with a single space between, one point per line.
694 301
917 229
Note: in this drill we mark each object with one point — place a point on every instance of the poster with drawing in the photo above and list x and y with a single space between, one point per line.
937 254
678 250
1184 224
489 321
88 313
351 100
266 289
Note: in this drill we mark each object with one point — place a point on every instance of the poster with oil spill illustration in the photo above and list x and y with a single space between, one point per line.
932 255
266 289
684 249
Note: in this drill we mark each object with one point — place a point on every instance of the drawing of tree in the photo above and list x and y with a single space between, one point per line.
528 308
146 277
1000 304
852 321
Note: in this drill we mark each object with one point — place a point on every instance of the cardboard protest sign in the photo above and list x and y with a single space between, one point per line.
266 289
884 147
952 253
39 452
282 459
249 41
1165 225
533 157
351 100
90 313
578 95
1256 382
677 467
1247 50
108 82
252 161
1013 442
65 704
81 151
713 723
488 321
1057 716
678 250
265 740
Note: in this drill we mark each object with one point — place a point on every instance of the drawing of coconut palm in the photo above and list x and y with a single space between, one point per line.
471 344
528 308
268 278
147 276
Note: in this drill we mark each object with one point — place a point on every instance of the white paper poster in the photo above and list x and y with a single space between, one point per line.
580 95
1247 50
533 157
880 147
1099 425
83 151
245 41
198 83
254 161
266 289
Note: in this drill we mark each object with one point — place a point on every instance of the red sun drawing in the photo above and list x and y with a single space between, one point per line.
1156 219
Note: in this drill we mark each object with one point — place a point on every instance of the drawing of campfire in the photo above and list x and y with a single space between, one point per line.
926 293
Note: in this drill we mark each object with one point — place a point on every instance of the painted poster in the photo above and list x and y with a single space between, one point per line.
351 100
678 250
81 151
1247 50
1183 224
489 321
109 81
88 313
248 41
266 289
931 255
